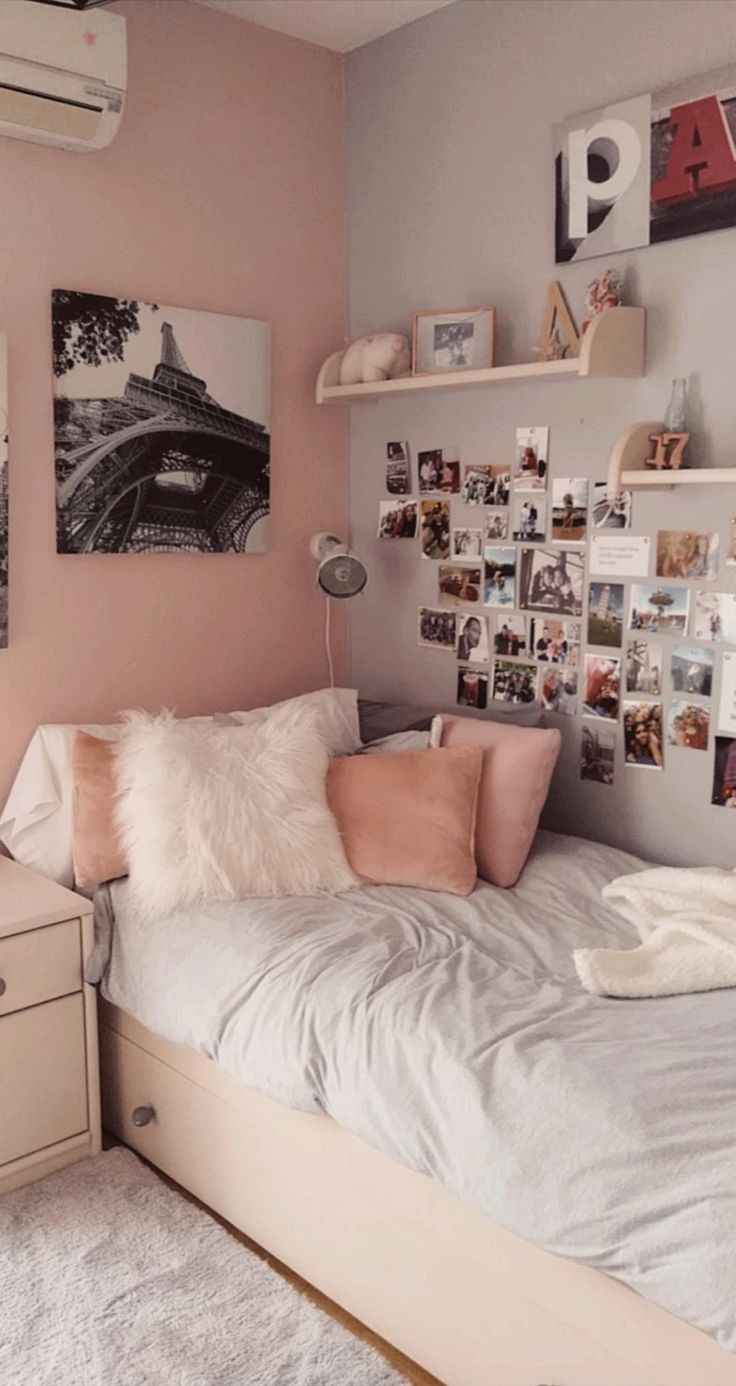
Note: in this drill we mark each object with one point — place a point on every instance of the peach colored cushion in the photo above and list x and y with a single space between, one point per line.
517 768
96 850
409 818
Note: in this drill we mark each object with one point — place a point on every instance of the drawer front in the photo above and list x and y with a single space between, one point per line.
39 965
43 1084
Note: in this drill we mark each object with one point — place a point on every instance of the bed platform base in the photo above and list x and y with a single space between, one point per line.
467 1300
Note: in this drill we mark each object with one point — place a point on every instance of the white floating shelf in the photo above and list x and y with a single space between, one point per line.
612 346
626 470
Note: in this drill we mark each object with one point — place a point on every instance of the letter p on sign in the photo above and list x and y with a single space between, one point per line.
618 149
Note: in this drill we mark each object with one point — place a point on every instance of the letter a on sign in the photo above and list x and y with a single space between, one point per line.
702 157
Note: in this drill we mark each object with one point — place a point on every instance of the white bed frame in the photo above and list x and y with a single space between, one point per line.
470 1302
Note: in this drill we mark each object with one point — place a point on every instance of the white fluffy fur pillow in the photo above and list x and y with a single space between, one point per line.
221 813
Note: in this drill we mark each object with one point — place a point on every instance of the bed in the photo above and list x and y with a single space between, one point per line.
409 1099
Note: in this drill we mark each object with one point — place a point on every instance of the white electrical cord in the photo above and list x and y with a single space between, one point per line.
328 649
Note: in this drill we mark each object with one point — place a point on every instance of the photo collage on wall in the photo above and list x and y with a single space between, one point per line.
545 596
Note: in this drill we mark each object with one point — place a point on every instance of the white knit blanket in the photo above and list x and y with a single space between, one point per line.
686 920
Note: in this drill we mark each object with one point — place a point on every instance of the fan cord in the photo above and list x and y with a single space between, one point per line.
328 645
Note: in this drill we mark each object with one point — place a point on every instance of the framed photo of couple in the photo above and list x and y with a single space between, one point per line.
459 339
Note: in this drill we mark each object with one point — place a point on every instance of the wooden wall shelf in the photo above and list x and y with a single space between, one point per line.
626 470
612 346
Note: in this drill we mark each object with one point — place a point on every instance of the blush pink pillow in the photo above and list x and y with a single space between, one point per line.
409 818
96 849
517 768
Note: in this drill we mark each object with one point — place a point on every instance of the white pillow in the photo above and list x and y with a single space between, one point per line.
405 741
222 813
336 711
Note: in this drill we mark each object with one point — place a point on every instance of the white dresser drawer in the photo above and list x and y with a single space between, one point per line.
39 964
43 1089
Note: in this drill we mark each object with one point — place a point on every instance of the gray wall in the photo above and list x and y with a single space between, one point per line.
451 203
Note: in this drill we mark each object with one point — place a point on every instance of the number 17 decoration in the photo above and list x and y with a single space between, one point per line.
648 169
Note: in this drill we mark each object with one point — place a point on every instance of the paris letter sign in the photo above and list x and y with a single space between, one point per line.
648 169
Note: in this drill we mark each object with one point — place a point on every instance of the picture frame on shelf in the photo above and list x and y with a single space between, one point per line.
456 339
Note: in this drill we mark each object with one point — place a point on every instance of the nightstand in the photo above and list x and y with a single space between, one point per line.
49 1078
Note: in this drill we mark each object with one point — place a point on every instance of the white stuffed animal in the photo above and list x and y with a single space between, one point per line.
381 357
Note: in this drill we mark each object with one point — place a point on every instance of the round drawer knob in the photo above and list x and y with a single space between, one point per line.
142 1115
3 986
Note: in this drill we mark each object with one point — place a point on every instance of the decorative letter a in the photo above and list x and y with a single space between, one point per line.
702 158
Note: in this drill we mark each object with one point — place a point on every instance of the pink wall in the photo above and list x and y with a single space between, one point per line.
223 191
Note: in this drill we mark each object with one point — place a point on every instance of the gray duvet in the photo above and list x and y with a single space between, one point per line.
453 1035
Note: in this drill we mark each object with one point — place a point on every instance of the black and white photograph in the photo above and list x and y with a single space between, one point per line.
715 617
3 492
558 690
499 576
472 640
458 584
437 629
486 485
429 470
597 751
435 528
605 613
611 512
644 664
691 670
555 642
569 509
532 452
397 519
643 735
472 688
162 428
453 345
514 682
529 525
552 580
467 543
602 689
511 636
459 340
654 607
398 480
497 526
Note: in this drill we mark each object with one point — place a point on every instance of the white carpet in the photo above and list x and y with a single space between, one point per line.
110 1278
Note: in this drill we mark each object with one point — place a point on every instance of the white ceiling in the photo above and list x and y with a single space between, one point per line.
336 24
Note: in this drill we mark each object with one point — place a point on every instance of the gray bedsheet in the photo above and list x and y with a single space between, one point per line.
454 1036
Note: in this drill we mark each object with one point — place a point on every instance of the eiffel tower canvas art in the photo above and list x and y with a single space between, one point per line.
162 428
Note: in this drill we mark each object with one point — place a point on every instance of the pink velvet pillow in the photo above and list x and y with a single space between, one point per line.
517 768
96 850
409 818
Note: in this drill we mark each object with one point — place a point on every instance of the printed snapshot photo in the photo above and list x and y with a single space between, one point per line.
472 640
569 509
467 543
611 514
605 613
597 750
731 555
486 485
397 519
558 690
602 686
499 576
688 725
530 467
715 616
682 554
511 636
435 528
397 469
724 773
472 688
514 683
659 608
552 580
556 642
530 519
644 664
438 629
691 670
459 584
497 525
429 470
643 735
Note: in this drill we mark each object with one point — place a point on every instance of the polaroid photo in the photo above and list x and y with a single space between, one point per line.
435 528
459 583
467 543
654 607
683 554
429 470
499 576
437 629
688 726
644 665
532 453
529 524
497 526
397 519
715 616
486 485
691 670
724 773
398 482
731 555
472 640
597 752
552 580
511 636
569 509
472 688
558 690
602 687
643 735
514 682
611 514
605 613
556 642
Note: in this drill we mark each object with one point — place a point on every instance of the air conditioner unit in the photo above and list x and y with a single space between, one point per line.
62 75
